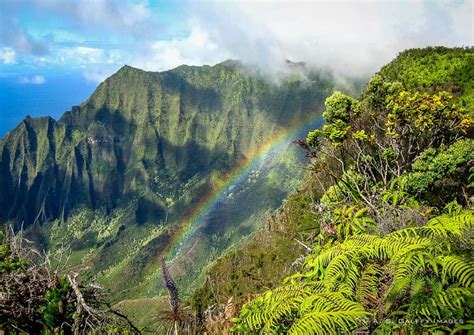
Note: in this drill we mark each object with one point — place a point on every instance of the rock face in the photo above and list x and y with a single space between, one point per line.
142 131
149 143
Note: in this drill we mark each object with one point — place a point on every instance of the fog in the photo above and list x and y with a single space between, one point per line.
350 37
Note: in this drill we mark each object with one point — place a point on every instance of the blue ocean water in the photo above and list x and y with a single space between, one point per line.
54 97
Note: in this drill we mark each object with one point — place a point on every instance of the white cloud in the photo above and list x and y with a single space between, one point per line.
34 80
97 75
195 49
354 37
81 55
14 35
351 37
87 56
7 56
78 21
123 16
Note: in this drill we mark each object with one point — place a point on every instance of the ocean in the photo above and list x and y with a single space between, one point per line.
53 97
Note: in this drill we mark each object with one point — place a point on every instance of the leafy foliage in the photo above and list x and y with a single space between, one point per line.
416 265
435 69
350 221
54 308
441 173
8 262
394 252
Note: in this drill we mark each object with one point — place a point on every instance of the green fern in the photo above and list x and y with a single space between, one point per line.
327 322
459 269
350 221
367 288
412 273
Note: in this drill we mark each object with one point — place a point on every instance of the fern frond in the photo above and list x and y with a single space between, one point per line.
421 272
270 308
367 287
343 267
326 301
463 328
442 226
464 220
327 323
319 262
460 269
443 304
414 261
377 247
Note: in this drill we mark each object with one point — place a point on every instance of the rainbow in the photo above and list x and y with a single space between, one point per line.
208 201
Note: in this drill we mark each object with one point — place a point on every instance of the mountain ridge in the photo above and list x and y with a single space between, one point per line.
114 176
134 105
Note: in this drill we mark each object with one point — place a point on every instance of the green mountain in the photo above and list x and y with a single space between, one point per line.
116 178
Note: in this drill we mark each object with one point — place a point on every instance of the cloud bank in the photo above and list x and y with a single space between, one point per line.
355 37
350 37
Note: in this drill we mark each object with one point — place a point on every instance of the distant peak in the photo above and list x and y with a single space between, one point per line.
230 63
29 118
125 71
128 68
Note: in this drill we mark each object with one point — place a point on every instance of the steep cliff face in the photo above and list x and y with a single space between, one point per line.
114 177
28 169
143 131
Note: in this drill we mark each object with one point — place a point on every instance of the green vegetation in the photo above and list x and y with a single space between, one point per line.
378 237
391 238
115 178
436 69
441 172
367 280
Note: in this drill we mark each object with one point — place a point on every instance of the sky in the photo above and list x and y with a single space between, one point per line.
53 53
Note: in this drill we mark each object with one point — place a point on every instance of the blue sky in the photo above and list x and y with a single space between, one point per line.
94 37
54 52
